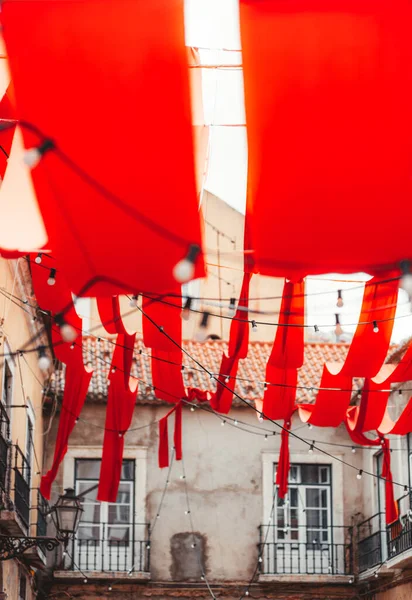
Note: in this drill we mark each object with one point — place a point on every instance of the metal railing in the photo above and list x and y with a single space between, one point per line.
22 477
370 542
101 547
42 510
399 533
4 449
327 551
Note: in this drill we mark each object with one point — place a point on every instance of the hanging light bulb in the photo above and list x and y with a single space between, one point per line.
68 332
184 270
338 328
359 475
310 451
266 438
223 423
37 260
33 156
186 309
44 361
353 450
133 301
52 277
406 279
376 574
310 425
110 588
201 334
85 580
339 302
232 307
254 326
375 327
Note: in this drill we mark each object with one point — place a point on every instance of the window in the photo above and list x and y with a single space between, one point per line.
305 515
7 386
29 441
106 530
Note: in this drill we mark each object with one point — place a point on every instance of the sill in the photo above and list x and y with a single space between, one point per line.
76 575
299 578
401 561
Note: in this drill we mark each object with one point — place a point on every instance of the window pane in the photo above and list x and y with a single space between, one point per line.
312 537
293 476
310 473
324 498
324 474
293 496
91 513
313 497
84 486
89 534
294 534
313 519
119 514
123 495
324 519
88 469
128 470
118 534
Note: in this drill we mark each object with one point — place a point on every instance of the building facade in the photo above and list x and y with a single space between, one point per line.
22 509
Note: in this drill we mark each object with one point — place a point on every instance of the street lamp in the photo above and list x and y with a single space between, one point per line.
66 515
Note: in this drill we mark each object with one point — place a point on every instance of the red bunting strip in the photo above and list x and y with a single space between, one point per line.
167 375
282 473
164 315
221 400
239 327
279 400
318 77
163 454
391 507
379 304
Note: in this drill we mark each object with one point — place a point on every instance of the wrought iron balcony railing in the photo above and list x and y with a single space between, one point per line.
116 546
4 450
306 551
399 533
371 542
22 479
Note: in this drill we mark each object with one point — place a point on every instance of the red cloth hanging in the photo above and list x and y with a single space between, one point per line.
167 376
328 96
288 348
121 402
221 400
282 473
166 313
77 380
279 399
391 507
239 327
113 215
364 359
194 394
371 410
163 454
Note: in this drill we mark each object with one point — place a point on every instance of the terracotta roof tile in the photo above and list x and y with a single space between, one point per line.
251 373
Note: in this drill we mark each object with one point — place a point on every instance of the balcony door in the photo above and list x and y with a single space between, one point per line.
303 540
105 539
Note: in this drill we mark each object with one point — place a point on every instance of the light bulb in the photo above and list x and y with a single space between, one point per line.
359 475
247 593
351 580
223 423
133 302
310 451
52 277
64 553
37 260
266 438
338 328
193 545
339 302
353 450
260 559
68 333
110 588
44 362
406 279
310 426
192 408
130 572
376 574
32 157
254 327
375 327
84 580
148 546
235 422
184 270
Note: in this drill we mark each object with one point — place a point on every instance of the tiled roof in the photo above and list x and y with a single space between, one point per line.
251 373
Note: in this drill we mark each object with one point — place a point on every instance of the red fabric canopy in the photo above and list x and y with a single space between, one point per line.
108 83
328 91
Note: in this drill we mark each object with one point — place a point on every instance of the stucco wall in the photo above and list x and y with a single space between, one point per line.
224 468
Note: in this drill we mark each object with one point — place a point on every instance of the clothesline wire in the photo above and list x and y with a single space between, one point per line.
261 413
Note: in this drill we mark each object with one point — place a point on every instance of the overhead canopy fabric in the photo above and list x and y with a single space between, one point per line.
328 91
108 83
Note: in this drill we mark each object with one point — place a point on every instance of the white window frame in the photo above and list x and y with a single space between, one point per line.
9 361
139 455
297 457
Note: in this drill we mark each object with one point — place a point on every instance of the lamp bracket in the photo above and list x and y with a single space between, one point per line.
14 546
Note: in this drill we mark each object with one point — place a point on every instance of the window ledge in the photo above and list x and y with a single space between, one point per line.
299 578
76 575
